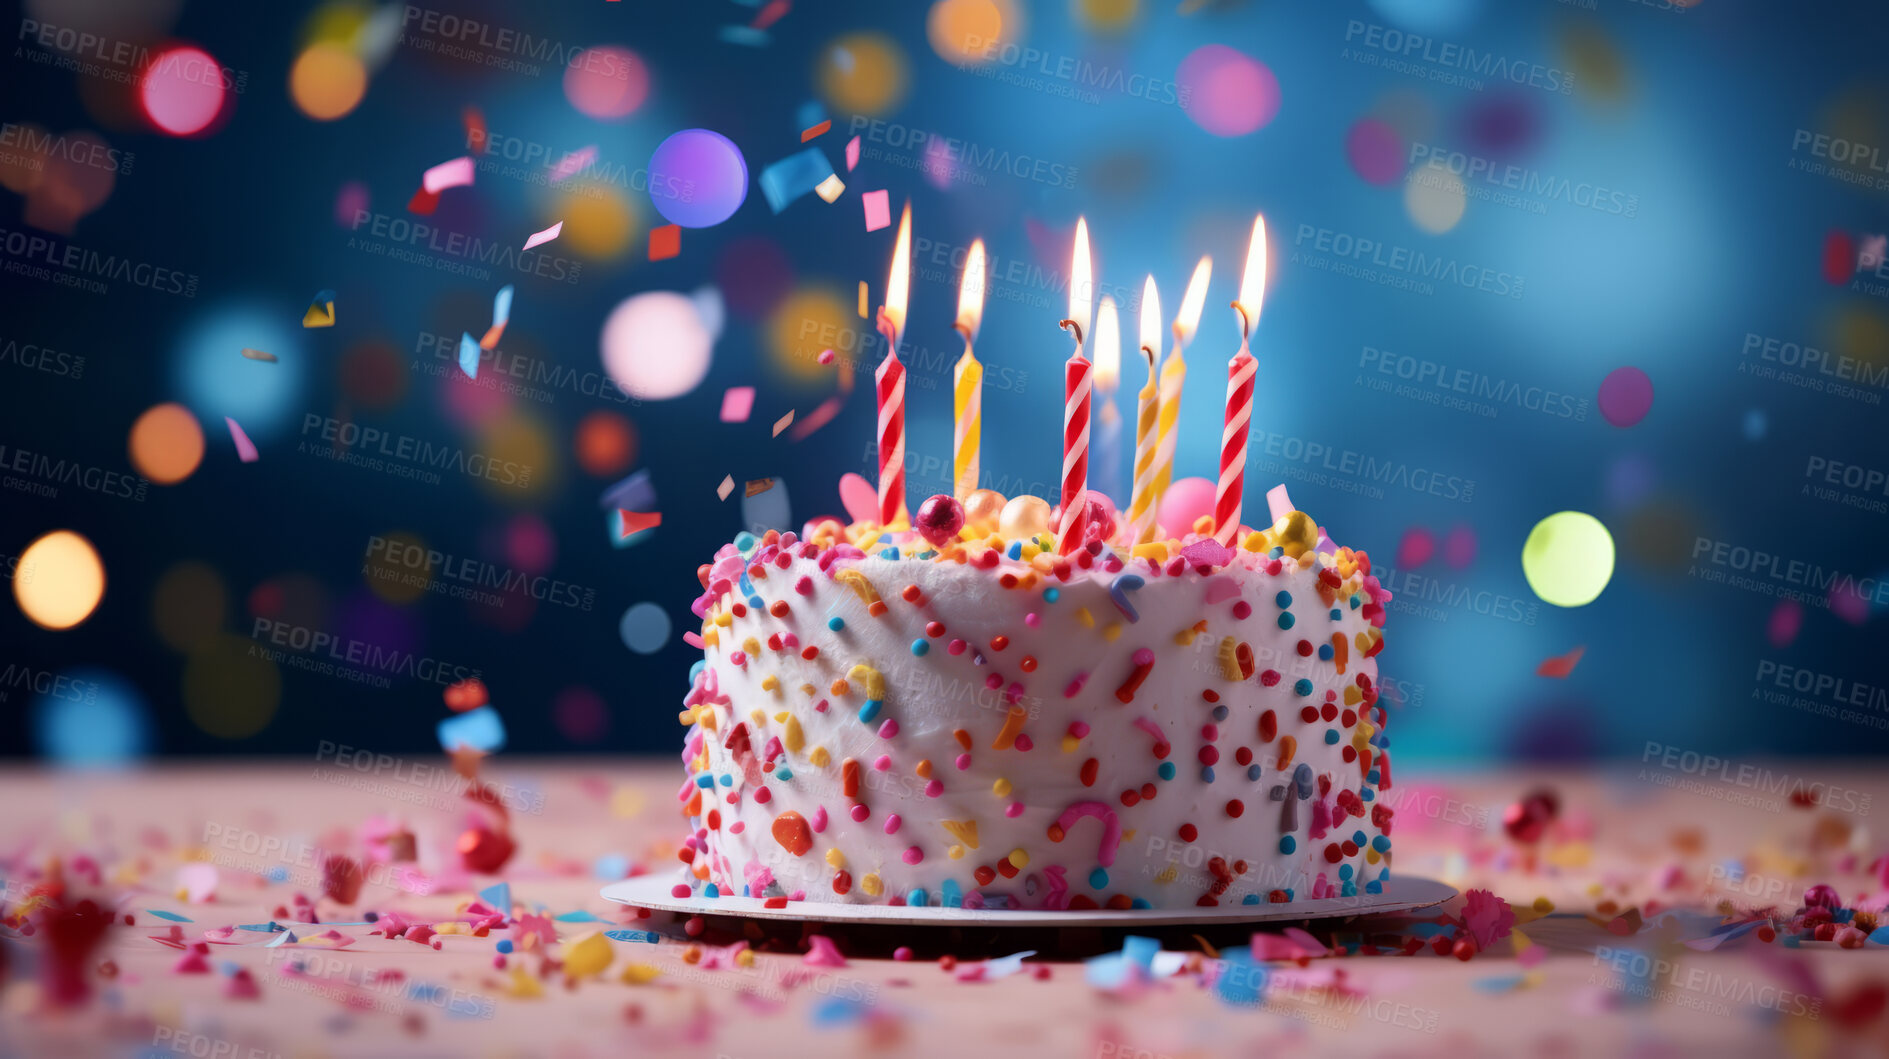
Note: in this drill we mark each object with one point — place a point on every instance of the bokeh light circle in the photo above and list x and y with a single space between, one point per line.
1226 91
863 73
327 82
756 274
965 32
91 718
59 580
217 380
606 443
397 566
231 687
697 178
1626 396
1106 16
1416 547
808 322
655 347
645 628
166 443
524 458
182 90
189 605
606 82
1568 558
581 715
1435 198
1375 151
599 221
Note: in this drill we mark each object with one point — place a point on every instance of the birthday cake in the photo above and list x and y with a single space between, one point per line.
962 717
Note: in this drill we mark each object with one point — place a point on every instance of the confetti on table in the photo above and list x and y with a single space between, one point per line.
257 354
197 882
501 316
794 176
783 423
727 486
1560 666
757 486
245 448
878 210
454 174
468 355
736 404
541 238
665 242
171 916
852 154
818 130
321 311
478 729
637 521
831 188
572 164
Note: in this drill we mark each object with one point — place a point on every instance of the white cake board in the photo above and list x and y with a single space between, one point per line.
1402 893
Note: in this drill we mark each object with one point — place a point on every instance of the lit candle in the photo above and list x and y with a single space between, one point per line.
1147 414
1173 375
891 380
1106 345
1240 372
967 435
1076 387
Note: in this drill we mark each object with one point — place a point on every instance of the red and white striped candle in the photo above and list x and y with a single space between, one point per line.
1078 381
1241 371
891 380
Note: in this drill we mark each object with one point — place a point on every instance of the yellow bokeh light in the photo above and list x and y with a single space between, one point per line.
166 444
523 459
336 23
965 31
599 221
232 686
1435 198
1107 14
863 73
808 321
1862 334
59 580
327 82
189 605
397 567
1568 558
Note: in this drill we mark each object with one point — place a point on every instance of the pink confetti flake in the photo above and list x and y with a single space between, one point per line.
541 238
245 448
852 154
454 174
736 403
878 210
572 164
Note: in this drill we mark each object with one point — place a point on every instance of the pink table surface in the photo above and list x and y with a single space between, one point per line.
1629 834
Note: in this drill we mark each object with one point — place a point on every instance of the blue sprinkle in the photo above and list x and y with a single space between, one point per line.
1331 737
1206 773
1344 871
1336 614
1284 598
1303 685
1139 902
1287 844
1381 843
745 542
1051 595
1118 590
1016 550
1374 887
1302 779
1288 895
915 899
1355 602
951 894
505 945
1357 838
1276 553
757 602
649 937
1350 889
728 779
1250 899
1324 652
783 774
705 781
711 890
1371 776
1220 713
870 710
1368 794
1166 770
1098 879
1286 620
920 648
889 553
1252 771
278 874
836 623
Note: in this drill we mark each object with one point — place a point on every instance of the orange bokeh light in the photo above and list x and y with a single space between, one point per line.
166 444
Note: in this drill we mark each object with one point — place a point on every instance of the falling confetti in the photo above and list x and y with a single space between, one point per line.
545 236
245 448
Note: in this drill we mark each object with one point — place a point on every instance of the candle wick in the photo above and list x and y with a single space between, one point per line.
964 329
890 330
1071 325
1246 325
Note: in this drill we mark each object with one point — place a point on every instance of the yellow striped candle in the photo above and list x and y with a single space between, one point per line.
1147 418
1173 375
968 380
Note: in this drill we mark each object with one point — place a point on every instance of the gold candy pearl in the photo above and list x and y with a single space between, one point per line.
1296 534
982 509
1024 517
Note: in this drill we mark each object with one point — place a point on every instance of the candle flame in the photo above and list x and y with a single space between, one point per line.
1081 280
1193 301
971 292
1253 283
898 284
1108 346
1151 318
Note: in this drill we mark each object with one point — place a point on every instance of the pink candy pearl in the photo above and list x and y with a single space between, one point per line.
860 812
933 789
892 824
964 762
1013 810
1024 742
913 854
881 763
1032 619
889 729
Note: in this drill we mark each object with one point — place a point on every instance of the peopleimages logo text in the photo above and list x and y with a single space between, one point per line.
1453 56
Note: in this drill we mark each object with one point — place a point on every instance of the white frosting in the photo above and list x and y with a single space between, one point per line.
1172 848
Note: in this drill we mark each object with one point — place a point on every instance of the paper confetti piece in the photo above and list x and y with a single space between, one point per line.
501 316
468 355
772 13
478 729
817 418
783 422
1559 667
831 188
852 154
862 300
634 492
794 176
757 486
245 448
171 916
878 210
818 130
572 164
423 202
645 936
541 238
454 174
257 354
859 498
637 521
728 486
476 133
736 404
665 242
498 896
321 311
1278 504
